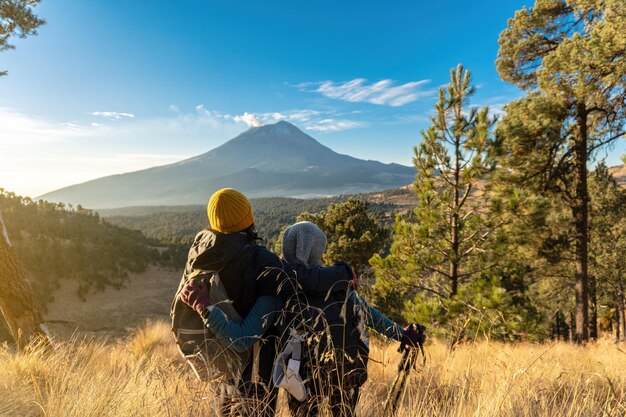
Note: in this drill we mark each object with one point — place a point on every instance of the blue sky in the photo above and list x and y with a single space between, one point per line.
114 86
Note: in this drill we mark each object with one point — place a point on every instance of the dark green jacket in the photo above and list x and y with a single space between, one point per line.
249 271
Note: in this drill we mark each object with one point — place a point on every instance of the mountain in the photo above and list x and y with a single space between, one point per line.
267 161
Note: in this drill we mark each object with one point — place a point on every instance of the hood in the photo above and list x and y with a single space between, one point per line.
304 243
212 251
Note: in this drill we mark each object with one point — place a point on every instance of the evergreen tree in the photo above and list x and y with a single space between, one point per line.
607 247
571 58
437 251
17 20
353 231
452 161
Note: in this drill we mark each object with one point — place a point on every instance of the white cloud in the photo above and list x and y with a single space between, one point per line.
414 118
173 108
302 116
259 119
307 119
17 127
333 125
496 104
495 109
383 92
249 119
112 115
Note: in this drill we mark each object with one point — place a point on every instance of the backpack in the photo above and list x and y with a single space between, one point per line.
209 357
308 343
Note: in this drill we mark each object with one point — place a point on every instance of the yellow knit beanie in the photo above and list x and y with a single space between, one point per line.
229 211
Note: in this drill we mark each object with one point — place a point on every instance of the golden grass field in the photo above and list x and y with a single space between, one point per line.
141 375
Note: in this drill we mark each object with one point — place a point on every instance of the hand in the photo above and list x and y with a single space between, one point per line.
413 336
196 295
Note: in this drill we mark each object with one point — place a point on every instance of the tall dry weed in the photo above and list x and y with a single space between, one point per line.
143 376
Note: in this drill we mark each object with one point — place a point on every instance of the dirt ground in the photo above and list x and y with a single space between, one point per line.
144 297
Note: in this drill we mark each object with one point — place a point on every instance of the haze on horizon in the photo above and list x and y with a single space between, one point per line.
114 87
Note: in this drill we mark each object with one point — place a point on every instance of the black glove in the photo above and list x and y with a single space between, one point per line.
413 336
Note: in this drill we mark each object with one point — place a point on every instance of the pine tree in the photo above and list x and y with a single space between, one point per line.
435 248
607 247
451 160
17 20
353 231
570 56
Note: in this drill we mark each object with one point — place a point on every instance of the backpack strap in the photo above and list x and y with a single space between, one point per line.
219 298
296 346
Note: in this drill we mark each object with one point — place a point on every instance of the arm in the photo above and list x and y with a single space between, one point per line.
376 320
316 280
241 336
276 276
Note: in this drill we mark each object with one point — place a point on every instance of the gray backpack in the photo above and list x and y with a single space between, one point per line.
209 357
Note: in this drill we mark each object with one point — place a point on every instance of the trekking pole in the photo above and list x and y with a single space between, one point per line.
407 362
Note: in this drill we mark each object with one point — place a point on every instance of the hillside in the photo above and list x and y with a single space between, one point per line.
145 296
619 172
55 242
178 224
267 161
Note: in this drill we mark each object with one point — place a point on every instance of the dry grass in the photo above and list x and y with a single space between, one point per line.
142 376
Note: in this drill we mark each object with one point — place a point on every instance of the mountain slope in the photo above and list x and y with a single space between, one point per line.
55 243
270 160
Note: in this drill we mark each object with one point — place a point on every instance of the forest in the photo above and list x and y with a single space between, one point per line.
56 242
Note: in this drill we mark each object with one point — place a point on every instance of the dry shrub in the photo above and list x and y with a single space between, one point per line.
143 376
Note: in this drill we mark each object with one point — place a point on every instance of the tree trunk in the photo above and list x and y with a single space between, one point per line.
581 218
623 319
617 322
593 318
454 277
621 313
18 305
454 259
556 332
557 323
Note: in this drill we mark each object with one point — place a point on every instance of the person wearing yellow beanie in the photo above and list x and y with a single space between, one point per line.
248 271
229 211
